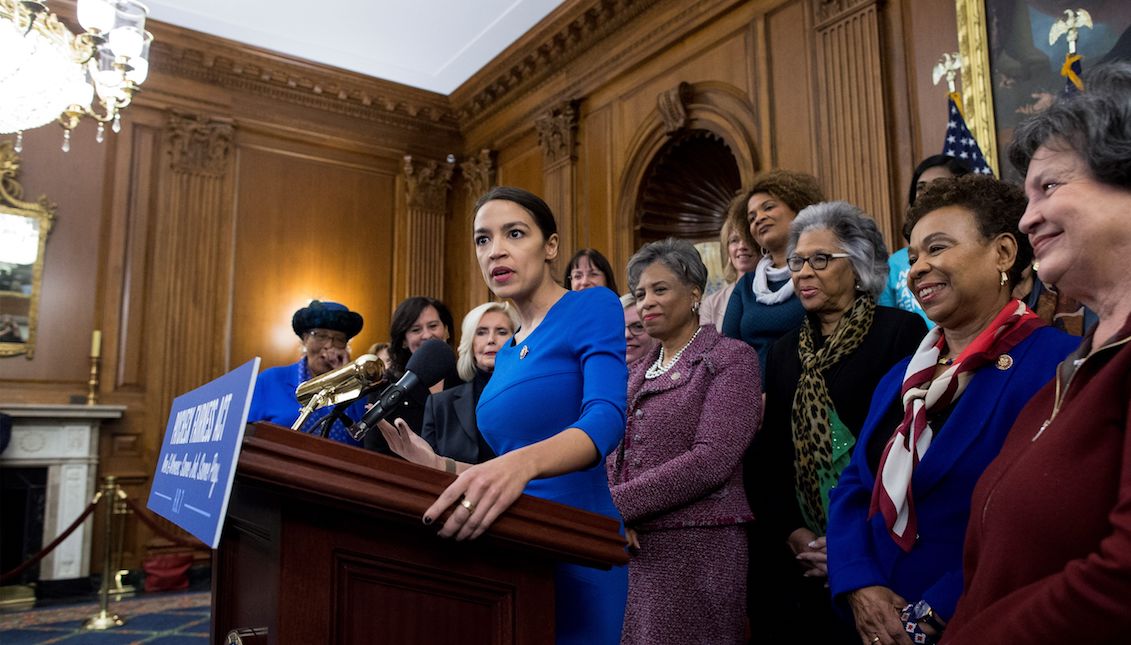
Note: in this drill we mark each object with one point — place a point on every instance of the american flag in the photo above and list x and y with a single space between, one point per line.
1071 71
959 143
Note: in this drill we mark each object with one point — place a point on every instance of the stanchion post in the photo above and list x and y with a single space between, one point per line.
104 619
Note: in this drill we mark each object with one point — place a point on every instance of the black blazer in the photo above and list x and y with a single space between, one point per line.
450 428
411 410
895 335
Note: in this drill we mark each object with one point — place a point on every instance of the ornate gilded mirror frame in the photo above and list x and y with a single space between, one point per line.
977 84
24 227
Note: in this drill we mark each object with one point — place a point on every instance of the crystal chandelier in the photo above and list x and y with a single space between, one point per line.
48 74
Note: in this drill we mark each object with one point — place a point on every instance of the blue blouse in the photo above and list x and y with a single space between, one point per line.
274 400
569 373
760 325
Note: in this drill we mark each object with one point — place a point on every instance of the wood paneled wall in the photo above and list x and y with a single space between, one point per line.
245 183
830 87
242 185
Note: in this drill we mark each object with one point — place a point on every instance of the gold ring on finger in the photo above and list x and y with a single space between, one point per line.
468 504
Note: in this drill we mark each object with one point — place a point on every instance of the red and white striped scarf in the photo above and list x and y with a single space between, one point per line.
923 393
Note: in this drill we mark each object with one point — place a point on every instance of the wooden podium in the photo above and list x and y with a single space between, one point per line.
323 543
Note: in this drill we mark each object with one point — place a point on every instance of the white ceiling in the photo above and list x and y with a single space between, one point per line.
431 44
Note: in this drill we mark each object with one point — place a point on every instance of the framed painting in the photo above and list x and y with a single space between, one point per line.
1010 70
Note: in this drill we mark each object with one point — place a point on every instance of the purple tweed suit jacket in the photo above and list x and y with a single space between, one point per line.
680 464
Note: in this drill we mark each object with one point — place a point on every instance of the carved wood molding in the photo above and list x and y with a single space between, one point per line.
557 133
198 144
672 106
487 88
544 52
418 269
479 173
192 247
427 184
203 58
827 11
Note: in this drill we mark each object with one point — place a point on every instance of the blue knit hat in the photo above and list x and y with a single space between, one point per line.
327 315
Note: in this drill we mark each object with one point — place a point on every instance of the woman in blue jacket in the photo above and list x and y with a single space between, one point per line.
898 515
324 328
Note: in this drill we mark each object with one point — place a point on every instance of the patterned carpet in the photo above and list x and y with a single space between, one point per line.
164 619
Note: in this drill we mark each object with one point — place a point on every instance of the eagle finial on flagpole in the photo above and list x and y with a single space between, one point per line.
1069 26
949 66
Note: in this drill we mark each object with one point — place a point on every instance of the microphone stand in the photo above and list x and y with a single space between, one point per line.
313 404
339 412
322 428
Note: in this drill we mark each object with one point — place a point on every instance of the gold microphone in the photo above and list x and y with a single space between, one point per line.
337 386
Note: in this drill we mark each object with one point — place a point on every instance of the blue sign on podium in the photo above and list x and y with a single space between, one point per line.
197 463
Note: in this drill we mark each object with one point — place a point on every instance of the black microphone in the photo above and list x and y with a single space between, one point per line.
432 361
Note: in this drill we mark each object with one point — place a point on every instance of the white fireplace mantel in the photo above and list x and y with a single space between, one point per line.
63 439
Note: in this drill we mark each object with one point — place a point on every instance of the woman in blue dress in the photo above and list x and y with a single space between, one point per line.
553 410
325 329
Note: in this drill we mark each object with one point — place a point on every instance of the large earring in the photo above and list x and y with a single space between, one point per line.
765 251
695 306
1004 278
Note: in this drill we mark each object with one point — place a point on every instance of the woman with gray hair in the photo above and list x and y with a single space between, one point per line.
1064 472
693 405
449 416
901 506
819 382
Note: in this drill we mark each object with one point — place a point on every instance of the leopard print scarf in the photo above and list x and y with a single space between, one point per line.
812 436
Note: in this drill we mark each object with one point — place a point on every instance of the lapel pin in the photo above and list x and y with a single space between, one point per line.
1004 362
675 376
525 350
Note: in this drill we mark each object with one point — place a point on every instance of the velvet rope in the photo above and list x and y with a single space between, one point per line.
143 515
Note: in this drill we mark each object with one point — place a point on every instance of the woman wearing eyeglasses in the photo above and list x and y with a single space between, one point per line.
637 342
898 514
819 380
324 328
589 268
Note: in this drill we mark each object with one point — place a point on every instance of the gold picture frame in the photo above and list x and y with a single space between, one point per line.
1011 69
977 84
24 227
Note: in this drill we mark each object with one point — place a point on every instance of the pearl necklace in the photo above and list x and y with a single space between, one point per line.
658 368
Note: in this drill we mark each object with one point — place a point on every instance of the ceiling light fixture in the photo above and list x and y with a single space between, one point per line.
49 74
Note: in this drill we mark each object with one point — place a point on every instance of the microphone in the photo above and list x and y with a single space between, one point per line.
432 361
338 386
344 383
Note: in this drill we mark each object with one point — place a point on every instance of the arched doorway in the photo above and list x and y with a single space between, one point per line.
687 188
